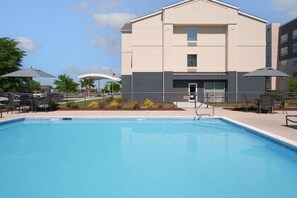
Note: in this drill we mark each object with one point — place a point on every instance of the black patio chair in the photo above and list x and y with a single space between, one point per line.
44 103
25 102
265 102
13 103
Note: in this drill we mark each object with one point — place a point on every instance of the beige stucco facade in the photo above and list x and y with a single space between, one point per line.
272 35
227 40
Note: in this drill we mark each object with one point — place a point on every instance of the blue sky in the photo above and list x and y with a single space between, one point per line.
82 36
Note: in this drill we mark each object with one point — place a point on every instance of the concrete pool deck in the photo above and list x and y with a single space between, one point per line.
274 123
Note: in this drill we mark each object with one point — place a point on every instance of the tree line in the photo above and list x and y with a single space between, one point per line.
11 58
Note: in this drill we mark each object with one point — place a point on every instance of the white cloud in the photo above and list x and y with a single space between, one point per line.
87 6
26 44
79 70
113 20
110 44
288 6
105 5
83 7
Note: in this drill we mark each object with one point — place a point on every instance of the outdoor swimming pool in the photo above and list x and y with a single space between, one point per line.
141 159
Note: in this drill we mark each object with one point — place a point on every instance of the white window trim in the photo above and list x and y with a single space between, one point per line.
196 61
197 32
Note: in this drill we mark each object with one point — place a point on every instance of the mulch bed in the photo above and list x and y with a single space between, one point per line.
121 109
255 110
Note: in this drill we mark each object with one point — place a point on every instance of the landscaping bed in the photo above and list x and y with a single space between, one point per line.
118 105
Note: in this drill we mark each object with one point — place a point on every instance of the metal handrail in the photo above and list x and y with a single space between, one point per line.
204 114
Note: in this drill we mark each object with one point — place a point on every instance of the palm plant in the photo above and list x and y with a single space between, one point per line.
88 83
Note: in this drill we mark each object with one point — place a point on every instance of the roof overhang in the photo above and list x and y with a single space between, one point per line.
187 1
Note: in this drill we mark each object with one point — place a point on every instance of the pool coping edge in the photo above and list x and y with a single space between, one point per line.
287 142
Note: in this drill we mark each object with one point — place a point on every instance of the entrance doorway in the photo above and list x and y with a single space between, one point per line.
193 92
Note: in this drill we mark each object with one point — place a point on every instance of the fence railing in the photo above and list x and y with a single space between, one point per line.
187 99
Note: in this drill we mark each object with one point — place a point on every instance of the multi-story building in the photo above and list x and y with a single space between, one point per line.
287 52
272 35
195 47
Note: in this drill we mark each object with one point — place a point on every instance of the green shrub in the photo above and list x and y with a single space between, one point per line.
278 96
114 104
292 84
172 106
119 99
148 103
93 105
72 105
54 104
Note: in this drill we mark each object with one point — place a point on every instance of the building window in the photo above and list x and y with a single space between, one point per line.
294 47
192 60
284 63
192 34
284 38
295 61
284 51
294 74
295 34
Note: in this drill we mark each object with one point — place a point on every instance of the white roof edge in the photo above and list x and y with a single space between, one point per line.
225 4
215 1
186 1
145 16
176 4
252 16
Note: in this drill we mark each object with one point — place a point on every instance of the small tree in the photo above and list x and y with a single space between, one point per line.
112 87
292 84
10 60
65 84
35 85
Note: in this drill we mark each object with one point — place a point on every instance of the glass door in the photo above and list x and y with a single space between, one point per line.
214 91
193 92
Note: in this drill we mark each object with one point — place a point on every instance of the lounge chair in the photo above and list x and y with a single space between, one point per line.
289 119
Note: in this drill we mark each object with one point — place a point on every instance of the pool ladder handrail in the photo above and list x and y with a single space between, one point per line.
198 116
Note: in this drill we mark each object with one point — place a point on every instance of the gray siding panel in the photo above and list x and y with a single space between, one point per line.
126 87
150 85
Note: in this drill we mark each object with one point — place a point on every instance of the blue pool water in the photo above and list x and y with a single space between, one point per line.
142 159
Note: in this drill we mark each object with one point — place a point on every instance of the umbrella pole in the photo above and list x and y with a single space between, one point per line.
266 81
